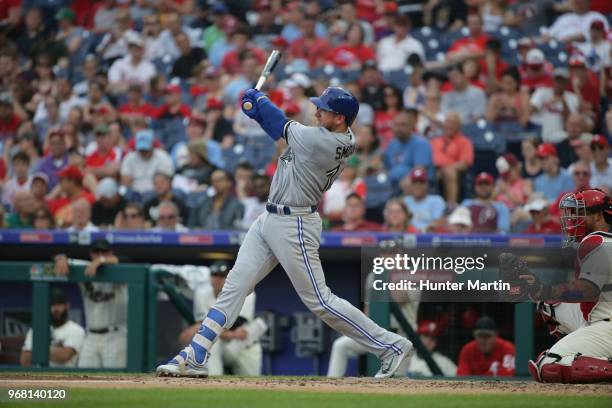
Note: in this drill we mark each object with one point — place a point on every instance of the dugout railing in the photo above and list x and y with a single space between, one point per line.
141 293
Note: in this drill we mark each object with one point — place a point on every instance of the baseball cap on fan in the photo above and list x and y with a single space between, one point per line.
505 163
107 188
599 140
577 61
461 216
484 177
598 24
535 57
537 204
546 150
418 175
561 73
144 139
428 328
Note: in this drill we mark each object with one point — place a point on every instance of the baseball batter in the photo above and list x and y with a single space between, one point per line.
289 233
585 354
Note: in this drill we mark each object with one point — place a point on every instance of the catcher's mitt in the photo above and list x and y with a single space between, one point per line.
511 268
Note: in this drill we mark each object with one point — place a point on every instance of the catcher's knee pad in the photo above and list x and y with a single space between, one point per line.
552 368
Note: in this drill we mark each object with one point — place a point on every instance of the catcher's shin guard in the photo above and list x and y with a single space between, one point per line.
582 370
586 370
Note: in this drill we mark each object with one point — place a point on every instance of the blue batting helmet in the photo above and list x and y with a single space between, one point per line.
340 101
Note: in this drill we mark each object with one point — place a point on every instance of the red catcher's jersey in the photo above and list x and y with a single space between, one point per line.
498 363
595 265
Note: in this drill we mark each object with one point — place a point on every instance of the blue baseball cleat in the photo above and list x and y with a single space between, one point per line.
184 365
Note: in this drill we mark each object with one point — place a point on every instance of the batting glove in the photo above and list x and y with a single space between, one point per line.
252 96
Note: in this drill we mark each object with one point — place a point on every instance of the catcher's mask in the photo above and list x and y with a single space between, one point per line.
574 209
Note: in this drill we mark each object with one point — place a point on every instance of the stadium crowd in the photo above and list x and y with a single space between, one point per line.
475 115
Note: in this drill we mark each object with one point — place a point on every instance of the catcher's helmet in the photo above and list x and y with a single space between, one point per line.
340 101
576 206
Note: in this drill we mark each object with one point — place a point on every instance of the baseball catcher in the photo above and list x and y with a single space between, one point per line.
585 354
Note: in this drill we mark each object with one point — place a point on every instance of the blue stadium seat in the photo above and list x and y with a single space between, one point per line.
379 190
164 65
398 79
193 199
514 131
233 156
352 75
484 138
450 37
424 34
170 131
555 52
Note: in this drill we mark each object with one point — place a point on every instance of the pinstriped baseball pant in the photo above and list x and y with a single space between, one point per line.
293 241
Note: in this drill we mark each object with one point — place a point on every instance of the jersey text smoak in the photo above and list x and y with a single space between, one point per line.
308 167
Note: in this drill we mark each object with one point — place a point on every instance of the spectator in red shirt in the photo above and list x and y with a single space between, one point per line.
584 84
535 72
9 121
471 46
383 119
135 105
353 216
542 222
492 66
352 53
70 189
398 217
104 161
240 43
453 154
310 47
508 104
488 354
174 105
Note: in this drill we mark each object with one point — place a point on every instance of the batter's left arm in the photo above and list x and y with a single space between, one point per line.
271 119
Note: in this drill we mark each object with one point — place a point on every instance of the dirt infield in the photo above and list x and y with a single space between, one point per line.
313 384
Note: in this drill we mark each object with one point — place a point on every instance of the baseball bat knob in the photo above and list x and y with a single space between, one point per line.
247 106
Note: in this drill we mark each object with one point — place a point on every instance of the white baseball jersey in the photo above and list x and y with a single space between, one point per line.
246 361
308 167
204 298
105 303
418 366
595 263
70 334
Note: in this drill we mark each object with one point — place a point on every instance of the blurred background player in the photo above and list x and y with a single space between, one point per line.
105 344
428 332
488 354
66 336
237 348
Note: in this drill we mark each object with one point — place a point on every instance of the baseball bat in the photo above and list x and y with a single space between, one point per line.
273 59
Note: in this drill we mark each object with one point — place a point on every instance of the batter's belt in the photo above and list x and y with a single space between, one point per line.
287 210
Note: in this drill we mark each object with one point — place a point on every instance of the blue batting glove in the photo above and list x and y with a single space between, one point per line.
252 113
254 93
252 96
